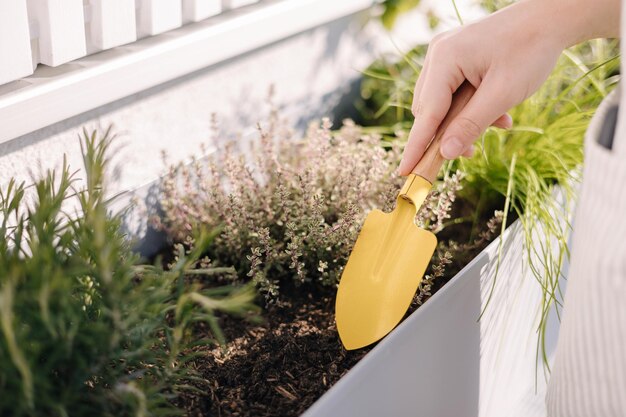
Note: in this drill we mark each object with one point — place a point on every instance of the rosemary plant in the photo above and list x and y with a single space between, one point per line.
85 328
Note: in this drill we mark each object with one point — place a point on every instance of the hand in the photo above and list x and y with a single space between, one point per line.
506 57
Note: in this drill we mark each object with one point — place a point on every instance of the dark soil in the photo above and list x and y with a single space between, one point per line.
278 368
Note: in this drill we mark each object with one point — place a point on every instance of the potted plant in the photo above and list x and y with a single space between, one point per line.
87 325
289 210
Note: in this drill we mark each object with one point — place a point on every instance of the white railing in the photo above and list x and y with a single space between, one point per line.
54 32
51 95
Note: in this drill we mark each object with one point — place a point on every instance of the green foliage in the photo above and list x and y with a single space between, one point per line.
544 150
85 328
433 20
494 5
290 210
394 8
516 169
387 91
291 207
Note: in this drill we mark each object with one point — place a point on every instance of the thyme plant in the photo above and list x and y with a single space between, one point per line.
290 207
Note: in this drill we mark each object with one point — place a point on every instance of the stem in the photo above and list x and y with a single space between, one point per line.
507 204
211 271
458 14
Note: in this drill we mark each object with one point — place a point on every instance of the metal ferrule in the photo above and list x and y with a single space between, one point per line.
415 190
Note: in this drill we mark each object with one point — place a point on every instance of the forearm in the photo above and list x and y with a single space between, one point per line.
570 22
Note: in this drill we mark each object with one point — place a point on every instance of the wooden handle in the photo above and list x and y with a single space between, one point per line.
428 167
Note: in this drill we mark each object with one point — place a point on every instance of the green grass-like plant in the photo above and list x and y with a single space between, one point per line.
517 170
394 8
543 151
85 328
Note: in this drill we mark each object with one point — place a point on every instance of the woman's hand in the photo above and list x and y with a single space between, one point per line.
506 56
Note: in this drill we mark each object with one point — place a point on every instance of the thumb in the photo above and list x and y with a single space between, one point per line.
483 109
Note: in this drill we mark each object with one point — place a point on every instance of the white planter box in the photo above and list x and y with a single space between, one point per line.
443 362
197 10
15 53
158 16
112 23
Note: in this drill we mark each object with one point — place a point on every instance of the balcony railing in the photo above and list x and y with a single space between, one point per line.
60 58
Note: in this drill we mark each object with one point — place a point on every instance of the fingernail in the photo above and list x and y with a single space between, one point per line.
508 121
451 148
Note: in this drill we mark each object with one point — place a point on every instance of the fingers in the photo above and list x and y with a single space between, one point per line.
433 95
469 152
503 122
420 82
486 107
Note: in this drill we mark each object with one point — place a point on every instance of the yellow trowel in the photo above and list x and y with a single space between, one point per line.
391 253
